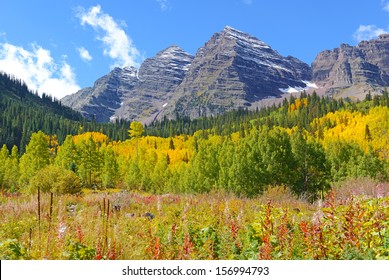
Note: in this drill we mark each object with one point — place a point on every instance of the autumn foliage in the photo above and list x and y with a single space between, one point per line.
205 192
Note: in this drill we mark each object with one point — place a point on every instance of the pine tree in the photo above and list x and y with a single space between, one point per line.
367 133
89 163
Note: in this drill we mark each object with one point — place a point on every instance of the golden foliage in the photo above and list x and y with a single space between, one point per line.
369 131
97 137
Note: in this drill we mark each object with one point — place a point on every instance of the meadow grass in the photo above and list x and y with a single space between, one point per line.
124 225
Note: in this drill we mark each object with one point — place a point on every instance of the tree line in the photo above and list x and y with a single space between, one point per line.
304 143
350 142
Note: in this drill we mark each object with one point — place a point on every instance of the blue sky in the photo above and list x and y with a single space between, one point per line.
58 47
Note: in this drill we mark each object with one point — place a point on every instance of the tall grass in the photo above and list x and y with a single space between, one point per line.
348 224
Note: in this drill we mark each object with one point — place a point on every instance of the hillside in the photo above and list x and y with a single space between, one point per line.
23 112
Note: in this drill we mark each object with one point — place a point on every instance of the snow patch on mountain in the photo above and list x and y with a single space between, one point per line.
299 89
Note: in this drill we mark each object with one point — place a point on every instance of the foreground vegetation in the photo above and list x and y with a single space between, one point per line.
351 223
195 189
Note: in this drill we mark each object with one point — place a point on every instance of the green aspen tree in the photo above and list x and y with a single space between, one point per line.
36 157
4 155
110 169
11 174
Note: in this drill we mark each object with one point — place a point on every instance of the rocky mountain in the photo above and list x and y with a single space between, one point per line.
350 71
129 93
234 69
158 78
101 101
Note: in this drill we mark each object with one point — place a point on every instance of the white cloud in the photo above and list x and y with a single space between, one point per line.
163 4
84 54
385 5
117 44
38 70
368 32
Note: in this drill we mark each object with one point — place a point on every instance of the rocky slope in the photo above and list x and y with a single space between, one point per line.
131 94
234 69
158 79
350 71
106 96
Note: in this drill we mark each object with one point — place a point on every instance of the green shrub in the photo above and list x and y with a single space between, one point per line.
55 179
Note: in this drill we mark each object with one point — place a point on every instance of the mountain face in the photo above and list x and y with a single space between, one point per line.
234 69
158 78
353 71
130 93
103 99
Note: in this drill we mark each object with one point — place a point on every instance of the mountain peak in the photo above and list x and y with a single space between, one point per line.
173 47
244 38
172 52
232 70
228 28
